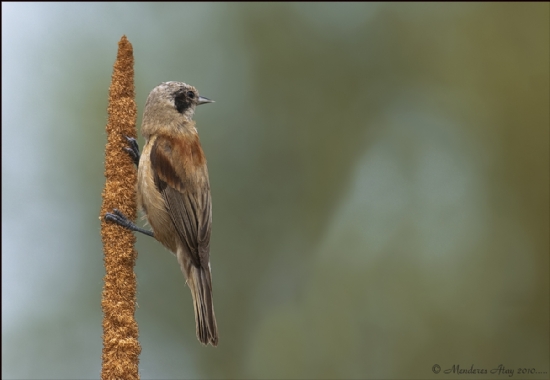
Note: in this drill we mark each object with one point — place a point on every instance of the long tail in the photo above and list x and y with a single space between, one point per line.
200 282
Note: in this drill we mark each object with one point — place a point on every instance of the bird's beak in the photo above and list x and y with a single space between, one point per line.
203 100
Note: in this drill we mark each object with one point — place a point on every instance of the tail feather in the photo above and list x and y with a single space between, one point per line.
200 283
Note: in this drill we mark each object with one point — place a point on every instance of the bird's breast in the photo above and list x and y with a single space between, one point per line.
152 202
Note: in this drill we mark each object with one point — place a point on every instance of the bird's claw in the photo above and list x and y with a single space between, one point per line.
122 220
133 149
119 218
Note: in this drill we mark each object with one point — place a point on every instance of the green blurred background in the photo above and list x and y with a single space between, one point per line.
380 185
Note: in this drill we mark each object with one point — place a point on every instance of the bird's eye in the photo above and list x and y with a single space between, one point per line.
191 94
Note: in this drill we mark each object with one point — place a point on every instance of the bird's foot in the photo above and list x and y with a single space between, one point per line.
119 218
133 149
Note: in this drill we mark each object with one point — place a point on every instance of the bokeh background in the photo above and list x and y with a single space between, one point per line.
379 173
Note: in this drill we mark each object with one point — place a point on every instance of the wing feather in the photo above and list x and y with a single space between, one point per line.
181 176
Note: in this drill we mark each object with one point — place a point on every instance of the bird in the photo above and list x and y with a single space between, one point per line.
173 190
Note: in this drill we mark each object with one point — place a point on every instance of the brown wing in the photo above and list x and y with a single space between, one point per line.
181 176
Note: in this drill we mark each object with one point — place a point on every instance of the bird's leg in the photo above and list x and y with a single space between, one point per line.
121 219
133 149
117 216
